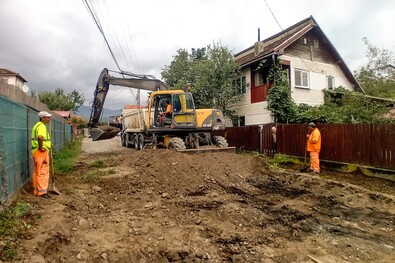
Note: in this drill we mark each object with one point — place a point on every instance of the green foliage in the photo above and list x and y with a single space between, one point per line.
180 71
79 122
64 160
377 78
343 107
58 100
340 106
97 164
280 103
210 72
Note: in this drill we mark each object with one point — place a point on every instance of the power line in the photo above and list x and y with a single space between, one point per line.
96 20
274 16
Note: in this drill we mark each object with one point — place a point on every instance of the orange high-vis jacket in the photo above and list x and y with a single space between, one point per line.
314 141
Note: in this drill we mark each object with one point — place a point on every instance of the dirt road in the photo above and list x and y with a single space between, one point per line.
122 205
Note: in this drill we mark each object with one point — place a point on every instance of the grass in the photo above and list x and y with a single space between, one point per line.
13 220
94 175
97 164
18 218
64 160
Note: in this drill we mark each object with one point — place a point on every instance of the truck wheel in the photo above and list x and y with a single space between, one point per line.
128 141
176 144
124 140
136 141
141 141
220 141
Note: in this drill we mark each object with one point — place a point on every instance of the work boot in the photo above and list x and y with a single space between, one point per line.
46 196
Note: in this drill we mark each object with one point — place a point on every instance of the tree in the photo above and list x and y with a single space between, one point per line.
211 72
179 73
58 100
79 122
377 78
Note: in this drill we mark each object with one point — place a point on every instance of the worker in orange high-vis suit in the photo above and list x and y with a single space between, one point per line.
41 145
314 147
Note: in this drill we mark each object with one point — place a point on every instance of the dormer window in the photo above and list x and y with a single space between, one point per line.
316 44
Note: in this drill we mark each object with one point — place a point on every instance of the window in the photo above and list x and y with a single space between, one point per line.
258 78
241 84
301 78
331 82
242 121
316 44
305 42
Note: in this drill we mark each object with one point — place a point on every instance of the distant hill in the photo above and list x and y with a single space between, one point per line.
85 112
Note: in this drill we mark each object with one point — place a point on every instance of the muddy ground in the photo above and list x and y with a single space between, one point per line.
122 205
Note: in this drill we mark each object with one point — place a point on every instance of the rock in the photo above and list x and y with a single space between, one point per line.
96 188
197 221
83 255
83 222
37 259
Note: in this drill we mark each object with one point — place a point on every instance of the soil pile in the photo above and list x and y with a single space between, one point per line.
123 205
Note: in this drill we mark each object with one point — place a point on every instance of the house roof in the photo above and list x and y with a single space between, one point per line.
8 73
64 114
276 44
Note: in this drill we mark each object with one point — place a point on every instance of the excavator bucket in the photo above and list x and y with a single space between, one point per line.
103 133
209 149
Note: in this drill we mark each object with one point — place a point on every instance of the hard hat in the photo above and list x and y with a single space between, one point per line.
311 124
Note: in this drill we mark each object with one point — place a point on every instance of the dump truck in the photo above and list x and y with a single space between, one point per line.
184 129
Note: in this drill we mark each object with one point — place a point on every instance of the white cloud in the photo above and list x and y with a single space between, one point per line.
55 43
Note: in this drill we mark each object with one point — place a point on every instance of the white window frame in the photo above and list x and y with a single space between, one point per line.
258 79
330 82
304 79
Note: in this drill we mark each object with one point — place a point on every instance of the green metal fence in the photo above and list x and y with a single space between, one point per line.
16 163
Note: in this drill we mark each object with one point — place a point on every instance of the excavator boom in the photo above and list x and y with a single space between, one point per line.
137 81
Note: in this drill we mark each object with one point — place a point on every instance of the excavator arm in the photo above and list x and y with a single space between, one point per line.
137 81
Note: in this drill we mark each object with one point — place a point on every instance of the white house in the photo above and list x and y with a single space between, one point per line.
310 61
12 78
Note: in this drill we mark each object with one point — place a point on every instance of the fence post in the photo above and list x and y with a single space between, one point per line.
260 127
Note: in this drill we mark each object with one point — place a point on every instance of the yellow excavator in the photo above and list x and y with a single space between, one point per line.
183 129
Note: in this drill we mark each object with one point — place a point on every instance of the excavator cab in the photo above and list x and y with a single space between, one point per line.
183 114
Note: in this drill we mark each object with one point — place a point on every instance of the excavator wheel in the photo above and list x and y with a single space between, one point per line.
220 141
176 144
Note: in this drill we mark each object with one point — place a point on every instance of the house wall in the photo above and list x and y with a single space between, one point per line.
318 73
255 113
13 80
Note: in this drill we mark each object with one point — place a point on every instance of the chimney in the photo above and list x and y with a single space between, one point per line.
259 34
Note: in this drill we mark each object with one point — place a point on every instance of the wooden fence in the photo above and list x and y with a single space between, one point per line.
363 144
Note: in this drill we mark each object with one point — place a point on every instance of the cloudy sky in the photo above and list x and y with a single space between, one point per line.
56 44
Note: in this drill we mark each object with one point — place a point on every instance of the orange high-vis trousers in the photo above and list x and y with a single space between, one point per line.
315 162
41 172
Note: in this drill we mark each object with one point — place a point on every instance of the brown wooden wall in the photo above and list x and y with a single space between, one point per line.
364 144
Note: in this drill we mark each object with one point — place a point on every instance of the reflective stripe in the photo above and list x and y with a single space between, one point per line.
46 137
